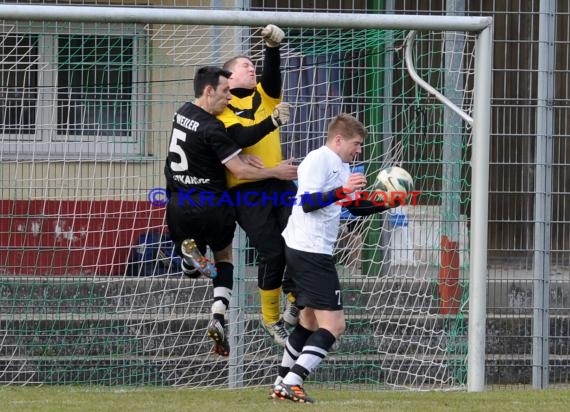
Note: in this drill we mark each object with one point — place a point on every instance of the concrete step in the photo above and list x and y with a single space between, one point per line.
18 294
176 294
134 330
93 334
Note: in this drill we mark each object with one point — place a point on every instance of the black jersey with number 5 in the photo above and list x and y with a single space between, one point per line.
199 147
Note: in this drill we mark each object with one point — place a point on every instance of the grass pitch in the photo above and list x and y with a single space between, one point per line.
119 399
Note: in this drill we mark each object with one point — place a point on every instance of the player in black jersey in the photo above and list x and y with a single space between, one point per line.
199 152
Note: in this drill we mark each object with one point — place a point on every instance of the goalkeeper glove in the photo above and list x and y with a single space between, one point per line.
272 35
280 114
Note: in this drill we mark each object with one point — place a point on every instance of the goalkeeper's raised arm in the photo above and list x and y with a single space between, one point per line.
271 74
256 110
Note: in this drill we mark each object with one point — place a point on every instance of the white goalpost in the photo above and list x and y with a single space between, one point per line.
89 290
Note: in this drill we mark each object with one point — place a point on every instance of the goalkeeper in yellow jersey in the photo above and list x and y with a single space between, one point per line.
252 119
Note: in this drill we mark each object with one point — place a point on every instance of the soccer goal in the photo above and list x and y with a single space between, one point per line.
89 290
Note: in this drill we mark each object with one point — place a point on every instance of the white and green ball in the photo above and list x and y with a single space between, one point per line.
394 179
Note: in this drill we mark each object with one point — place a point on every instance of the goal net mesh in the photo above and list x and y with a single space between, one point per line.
89 290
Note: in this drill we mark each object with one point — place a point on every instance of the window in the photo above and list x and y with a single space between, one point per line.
71 95
93 88
19 74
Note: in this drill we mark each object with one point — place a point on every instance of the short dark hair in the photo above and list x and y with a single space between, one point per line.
208 76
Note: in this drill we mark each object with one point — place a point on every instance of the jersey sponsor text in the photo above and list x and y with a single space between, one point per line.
190 180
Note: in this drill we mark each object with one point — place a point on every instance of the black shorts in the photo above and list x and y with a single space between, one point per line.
262 210
209 225
262 213
315 279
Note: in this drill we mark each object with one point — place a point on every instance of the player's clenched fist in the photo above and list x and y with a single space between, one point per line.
272 35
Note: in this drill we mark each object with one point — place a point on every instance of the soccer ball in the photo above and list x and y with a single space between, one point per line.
394 179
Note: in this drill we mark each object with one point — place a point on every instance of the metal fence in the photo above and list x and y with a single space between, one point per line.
529 208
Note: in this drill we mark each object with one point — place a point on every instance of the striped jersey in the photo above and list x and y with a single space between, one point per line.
248 111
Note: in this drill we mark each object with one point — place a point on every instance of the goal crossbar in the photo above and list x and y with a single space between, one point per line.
240 17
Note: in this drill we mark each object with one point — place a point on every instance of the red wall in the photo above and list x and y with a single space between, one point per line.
63 237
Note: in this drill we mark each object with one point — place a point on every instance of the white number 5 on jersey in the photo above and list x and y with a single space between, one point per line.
177 137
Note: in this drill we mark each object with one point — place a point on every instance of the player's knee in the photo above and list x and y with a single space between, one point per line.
336 327
273 256
267 283
270 273
269 246
339 329
224 255
308 321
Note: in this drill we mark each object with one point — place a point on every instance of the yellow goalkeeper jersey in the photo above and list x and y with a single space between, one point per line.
249 111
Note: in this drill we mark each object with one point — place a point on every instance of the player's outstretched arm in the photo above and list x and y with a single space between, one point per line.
283 171
361 207
366 208
246 136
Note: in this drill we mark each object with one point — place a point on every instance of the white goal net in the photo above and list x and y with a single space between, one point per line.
89 293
